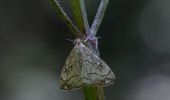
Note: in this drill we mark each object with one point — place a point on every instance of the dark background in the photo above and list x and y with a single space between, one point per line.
135 43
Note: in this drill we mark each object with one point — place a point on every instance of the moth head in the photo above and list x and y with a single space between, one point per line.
77 41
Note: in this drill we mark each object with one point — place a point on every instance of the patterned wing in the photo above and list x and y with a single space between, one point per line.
71 72
84 67
95 70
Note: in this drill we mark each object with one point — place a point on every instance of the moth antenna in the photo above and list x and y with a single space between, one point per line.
99 37
87 38
70 40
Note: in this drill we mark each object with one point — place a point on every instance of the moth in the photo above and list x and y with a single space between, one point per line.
83 67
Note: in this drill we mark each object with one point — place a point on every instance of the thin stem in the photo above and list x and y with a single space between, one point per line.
59 10
99 16
90 93
80 15
93 92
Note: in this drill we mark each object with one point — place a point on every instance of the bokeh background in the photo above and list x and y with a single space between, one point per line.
135 43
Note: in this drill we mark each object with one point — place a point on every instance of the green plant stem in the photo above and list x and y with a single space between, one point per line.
80 16
94 92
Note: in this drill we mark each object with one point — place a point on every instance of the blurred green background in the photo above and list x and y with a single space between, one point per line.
135 43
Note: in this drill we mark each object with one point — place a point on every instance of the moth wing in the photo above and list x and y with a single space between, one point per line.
84 67
71 72
95 70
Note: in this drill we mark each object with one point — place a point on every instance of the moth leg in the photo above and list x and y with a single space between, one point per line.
99 16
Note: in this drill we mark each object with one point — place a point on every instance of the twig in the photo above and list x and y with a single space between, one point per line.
99 16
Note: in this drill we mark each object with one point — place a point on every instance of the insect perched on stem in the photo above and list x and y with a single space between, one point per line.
84 67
